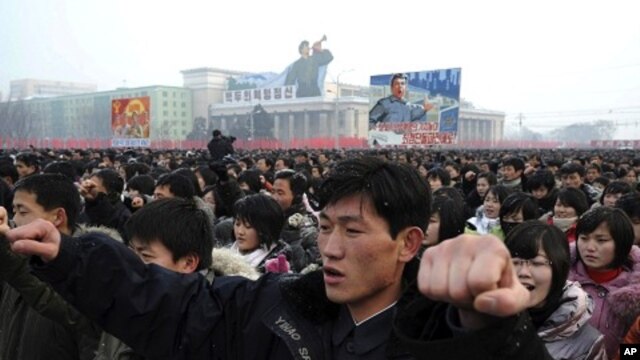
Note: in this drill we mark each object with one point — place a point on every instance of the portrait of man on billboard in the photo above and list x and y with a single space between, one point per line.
395 107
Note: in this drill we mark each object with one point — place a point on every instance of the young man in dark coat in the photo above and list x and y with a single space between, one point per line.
371 227
35 322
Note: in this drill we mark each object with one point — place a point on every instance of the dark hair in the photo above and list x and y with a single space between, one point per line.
298 183
320 169
8 169
111 181
303 43
499 191
602 180
288 162
616 187
142 183
29 159
53 191
264 214
525 242
630 204
441 174
453 164
623 172
595 166
251 177
520 201
619 226
554 162
396 191
209 177
178 224
573 198
248 161
397 76
516 162
133 169
178 184
571 168
216 133
267 160
541 178
61 167
452 215
192 178
492 179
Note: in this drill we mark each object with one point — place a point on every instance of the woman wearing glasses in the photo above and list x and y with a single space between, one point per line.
607 265
560 309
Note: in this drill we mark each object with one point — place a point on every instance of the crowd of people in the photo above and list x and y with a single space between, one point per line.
301 254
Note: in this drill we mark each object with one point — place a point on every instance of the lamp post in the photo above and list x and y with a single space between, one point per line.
337 115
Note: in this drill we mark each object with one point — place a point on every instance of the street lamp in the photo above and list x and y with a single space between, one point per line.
337 115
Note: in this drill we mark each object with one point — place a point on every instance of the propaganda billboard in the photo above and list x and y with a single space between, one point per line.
131 122
304 77
414 108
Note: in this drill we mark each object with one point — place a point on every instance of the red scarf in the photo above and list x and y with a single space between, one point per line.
601 277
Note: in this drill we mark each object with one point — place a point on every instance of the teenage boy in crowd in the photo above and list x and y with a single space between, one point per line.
512 174
372 224
170 233
35 322
572 176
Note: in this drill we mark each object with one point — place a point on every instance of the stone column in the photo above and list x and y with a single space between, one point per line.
291 128
276 126
223 124
306 124
323 126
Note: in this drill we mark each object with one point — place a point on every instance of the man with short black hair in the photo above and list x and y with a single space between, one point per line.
27 164
372 225
512 173
572 175
265 165
35 322
300 228
103 205
170 233
395 108
173 185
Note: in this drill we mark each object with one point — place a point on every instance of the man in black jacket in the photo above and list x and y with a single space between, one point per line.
220 146
371 227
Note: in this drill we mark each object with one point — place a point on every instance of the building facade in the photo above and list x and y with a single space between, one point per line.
343 112
479 127
89 115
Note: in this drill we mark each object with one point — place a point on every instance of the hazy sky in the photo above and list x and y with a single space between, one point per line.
556 62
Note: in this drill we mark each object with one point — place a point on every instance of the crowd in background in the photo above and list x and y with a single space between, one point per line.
570 219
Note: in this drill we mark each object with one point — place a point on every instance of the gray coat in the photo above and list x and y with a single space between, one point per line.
567 333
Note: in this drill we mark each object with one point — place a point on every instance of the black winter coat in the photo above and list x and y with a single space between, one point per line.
219 147
165 315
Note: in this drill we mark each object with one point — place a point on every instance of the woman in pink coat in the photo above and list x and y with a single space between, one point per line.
607 265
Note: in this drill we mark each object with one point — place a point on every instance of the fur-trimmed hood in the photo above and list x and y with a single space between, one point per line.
226 262
85 229
625 301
